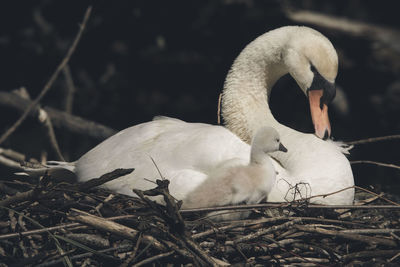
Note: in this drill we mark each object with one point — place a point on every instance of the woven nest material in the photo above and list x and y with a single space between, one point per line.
59 224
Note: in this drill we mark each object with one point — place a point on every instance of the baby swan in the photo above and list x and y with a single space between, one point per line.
233 184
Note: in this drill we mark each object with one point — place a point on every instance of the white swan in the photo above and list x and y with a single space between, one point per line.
230 183
186 153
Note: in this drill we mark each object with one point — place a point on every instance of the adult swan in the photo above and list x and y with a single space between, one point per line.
186 153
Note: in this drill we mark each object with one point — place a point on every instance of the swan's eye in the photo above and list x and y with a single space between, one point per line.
277 140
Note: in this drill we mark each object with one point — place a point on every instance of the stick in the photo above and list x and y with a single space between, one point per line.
51 80
235 225
10 163
154 258
374 139
360 238
370 231
375 163
113 227
87 254
20 197
59 118
58 227
369 254
262 232
377 195
219 109
103 179
389 37
69 97
288 205
46 121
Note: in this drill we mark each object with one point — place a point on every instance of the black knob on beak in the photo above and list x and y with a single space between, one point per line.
282 148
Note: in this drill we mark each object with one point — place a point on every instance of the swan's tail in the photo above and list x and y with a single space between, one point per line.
56 169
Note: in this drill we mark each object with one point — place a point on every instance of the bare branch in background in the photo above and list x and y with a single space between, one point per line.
46 121
59 118
374 139
50 82
375 163
387 39
70 89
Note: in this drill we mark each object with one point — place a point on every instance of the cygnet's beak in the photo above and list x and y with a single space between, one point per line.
319 114
282 148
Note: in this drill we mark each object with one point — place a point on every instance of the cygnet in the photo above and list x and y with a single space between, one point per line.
231 184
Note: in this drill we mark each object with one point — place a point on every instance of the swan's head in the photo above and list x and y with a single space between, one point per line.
266 140
312 61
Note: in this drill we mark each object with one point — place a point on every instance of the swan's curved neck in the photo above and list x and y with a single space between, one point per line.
248 85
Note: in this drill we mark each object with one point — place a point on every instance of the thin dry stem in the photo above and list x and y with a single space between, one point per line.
53 77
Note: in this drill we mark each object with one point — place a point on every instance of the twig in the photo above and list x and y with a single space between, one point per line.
387 36
199 252
158 170
103 179
58 227
46 121
59 118
113 227
377 195
88 254
374 139
219 109
69 97
282 243
375 163
370 231
154 258
287 205
365 239
235 225
133 254
262 232
20 197
51 80
12 154
369 254
10 163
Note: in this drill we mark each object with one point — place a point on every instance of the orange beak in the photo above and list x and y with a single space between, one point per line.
319 115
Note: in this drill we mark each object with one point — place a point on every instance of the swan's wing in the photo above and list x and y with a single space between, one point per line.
174 145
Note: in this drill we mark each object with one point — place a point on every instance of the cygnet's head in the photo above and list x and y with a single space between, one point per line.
266 140
312 61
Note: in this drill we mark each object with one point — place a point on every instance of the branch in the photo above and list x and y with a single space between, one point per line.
154 258
50 82
361 238
112 227
46 121
386 41
375 163
374 139
388 36
20 197
103 179
59 118
288 205
58 227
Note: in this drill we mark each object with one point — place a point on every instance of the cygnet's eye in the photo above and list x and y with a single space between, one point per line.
277 140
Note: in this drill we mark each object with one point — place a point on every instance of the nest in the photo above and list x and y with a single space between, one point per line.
60 224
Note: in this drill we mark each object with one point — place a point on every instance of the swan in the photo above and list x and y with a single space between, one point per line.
230 183
187 153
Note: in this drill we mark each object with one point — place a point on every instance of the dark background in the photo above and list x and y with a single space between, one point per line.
138 59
